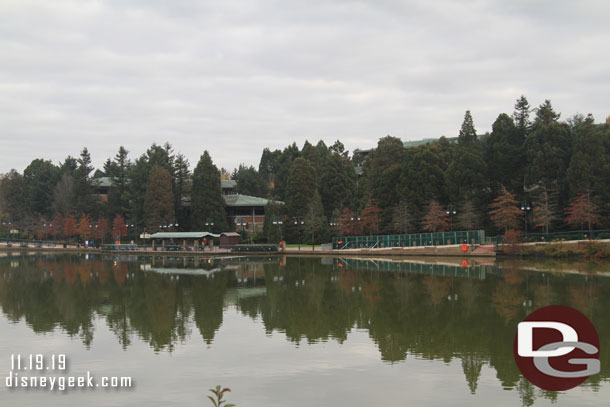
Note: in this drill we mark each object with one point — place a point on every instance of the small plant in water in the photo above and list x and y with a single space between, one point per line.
219 394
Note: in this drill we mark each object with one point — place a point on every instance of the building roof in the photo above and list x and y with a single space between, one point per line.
102 182
228 183
182 235
409 144
229 234
246 200
415 143
363 151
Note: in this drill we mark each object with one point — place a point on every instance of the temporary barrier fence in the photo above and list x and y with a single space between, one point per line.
411 240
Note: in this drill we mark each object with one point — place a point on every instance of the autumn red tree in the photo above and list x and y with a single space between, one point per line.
103 229
57 226
349 225
84 227
69 226
119 229
582 211
42 231
504 212
370 217
436 219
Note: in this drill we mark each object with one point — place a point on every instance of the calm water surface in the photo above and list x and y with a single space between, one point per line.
290 331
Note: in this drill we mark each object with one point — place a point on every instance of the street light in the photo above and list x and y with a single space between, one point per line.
355 218
525 207
169 225
451 211
130 227
299 222
240 222
209 222
278 222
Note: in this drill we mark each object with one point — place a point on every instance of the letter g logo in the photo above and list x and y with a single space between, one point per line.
557 348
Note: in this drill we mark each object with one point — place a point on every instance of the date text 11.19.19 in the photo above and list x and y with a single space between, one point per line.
38 362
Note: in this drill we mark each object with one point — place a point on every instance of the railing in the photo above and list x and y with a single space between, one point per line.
411 240
255 248
122 247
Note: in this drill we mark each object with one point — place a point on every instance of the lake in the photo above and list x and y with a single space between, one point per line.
289 331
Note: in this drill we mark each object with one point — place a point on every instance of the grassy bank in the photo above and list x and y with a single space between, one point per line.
588 250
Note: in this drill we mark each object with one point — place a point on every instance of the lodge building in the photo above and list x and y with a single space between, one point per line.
244 212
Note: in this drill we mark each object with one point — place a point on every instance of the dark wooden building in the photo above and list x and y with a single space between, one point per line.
229 239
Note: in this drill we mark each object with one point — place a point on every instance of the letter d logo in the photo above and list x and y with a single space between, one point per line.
556 348
525 335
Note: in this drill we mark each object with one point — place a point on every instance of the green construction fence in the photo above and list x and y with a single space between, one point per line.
411 240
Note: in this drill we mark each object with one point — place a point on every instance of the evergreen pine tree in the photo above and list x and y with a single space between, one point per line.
316 224
299 192
468 134
159 202
182 190
337 183
206 197
118 172
548 149
83 192
521 115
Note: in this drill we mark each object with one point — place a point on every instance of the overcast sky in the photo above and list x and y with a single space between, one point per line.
235 76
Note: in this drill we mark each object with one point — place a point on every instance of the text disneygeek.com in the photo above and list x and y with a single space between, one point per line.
31 372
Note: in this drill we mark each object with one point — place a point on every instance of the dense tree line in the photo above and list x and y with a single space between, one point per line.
555 173
531 168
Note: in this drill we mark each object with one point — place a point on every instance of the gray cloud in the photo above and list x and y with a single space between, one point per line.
234 77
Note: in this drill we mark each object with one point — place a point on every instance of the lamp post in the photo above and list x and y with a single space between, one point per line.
240 222
525 207
209 222
130 227
451 211
170 225
299 222
278 222
354 219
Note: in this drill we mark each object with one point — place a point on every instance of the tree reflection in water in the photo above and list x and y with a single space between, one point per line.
436 312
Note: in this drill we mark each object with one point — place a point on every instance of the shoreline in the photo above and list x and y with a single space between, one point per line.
544 250
425 251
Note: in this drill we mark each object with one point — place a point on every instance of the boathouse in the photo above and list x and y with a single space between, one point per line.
181 240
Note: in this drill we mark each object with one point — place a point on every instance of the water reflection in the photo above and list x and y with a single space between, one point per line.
444 310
